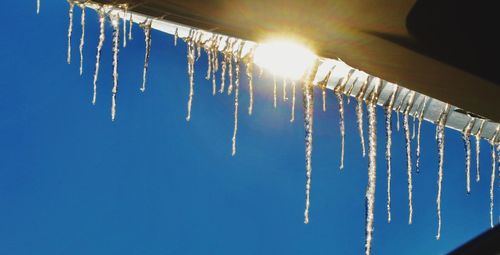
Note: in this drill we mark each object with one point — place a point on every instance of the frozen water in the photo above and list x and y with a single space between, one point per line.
440 142
146 26
70 28
115 22
102 19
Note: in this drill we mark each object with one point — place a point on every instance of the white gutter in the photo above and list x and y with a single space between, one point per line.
457 118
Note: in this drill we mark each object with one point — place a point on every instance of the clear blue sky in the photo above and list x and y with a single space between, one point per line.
73 182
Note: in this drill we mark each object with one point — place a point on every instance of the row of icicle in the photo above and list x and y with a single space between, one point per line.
232 58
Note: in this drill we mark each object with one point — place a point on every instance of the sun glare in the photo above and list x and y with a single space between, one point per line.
284 58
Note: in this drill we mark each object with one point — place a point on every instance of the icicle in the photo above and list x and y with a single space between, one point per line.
338 93
420 119
466 138
398 110
237 59
397 121
293 101
102 37
190 61
478 147
440 125
37 7
146 26
493 170
388 132
349 91
406 127
249 72
215 64
130 25
323 84
176 36
359 113
308 99
70 28
498 159
415 115
230 66
222 76
209 59
214 83
372 166
124 20
414 127
340 99
82 38
115 22
275 91
198 44
224 66
215 49
285 98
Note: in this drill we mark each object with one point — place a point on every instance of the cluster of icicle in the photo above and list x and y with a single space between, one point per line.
226 54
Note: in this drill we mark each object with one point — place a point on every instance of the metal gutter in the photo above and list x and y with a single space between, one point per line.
457 118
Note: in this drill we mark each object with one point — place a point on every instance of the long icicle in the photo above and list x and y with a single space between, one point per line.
466 138
498 158
102 37
440 125
359 113
237 59
190 61
406 127
215 63
308 101
37 7
82 38
340 99
388 133
478 148
249 72
420 119
493 171
146 26
115 22
338 93
294 85
70 28
372 166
